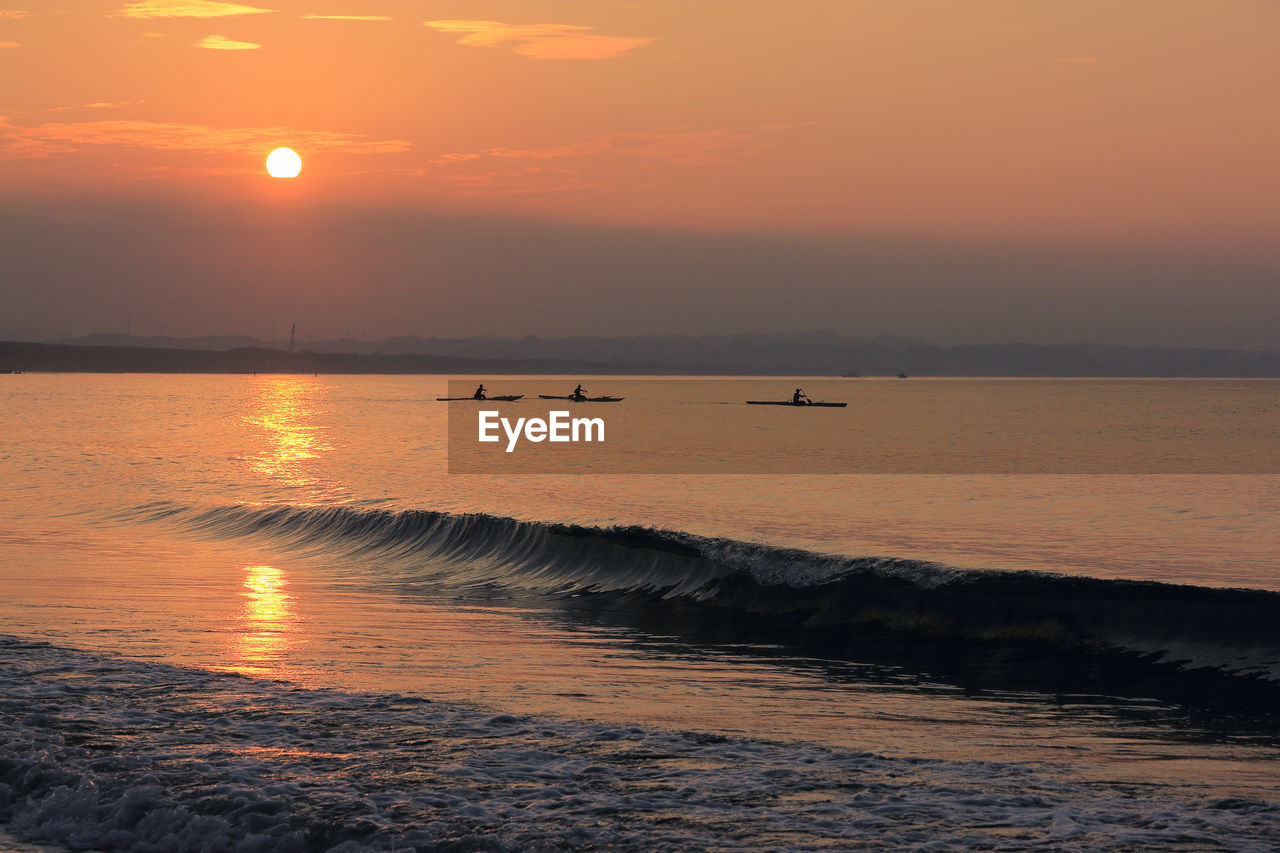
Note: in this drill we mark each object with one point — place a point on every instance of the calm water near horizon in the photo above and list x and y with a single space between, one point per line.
306 529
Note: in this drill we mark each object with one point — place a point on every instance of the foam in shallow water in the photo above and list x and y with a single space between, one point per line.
102 752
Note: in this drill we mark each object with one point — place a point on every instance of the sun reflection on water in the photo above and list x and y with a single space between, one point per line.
286 409
266 621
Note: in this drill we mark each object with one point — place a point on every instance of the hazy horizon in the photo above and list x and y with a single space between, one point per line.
168 267
956 172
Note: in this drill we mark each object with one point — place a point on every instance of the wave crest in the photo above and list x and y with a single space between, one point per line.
782 590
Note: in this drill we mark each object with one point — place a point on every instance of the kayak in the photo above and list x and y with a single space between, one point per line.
797 405
583 400
504 398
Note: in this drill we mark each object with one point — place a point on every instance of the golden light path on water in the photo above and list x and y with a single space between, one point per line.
263 635
287 411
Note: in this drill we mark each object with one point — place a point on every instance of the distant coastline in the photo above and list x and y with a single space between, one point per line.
780 355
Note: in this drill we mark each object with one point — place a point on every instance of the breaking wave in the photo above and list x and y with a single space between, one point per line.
1058 626
101 752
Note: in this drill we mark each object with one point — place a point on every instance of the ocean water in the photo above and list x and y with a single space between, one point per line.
250 613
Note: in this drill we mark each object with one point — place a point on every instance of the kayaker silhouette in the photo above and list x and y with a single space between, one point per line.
479 395
578 394
799 396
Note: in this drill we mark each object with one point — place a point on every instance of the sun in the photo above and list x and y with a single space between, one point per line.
284 163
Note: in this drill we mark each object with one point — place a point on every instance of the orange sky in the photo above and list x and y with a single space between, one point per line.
1129 119
1103 122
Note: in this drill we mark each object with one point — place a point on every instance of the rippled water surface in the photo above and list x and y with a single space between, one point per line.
305 529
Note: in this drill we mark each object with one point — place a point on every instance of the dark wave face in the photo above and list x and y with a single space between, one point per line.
979 628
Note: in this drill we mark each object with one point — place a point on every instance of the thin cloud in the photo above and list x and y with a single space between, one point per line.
692 147
459 158
555 152
92 105
186 9
540 41
345 18
535 185
1078 60
224 43
13 14
53 138
677 145
197 171
8 45
788 125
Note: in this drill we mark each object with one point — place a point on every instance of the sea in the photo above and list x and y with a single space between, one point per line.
274 613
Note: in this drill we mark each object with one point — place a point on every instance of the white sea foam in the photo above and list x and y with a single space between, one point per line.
108 753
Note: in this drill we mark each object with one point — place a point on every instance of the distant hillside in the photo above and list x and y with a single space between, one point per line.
816 354
831 354
66 358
